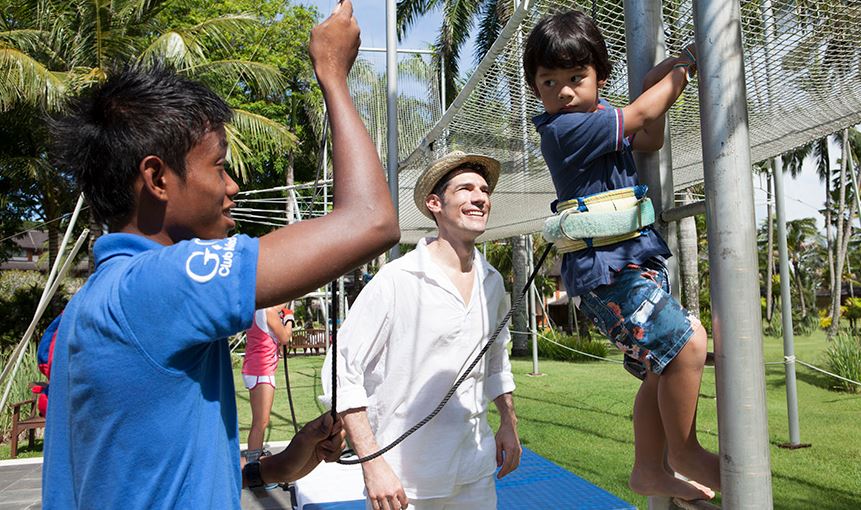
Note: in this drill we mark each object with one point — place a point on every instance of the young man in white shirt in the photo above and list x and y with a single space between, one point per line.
410 333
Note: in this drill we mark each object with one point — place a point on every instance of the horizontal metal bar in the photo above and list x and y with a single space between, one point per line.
687 210
400 50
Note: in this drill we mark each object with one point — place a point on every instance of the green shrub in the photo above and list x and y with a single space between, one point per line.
843 357
28 372
775 327
19 296
549 350
805 325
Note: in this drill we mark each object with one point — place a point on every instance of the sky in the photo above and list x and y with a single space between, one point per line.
371 15
805 195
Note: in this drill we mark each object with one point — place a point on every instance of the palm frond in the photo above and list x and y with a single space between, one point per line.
32 168
265 79
237 152
175 49
250 133
25 80
408 11
24 39
495 15
138 10
221 31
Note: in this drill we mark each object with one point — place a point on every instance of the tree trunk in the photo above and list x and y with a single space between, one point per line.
520 320
800 286
688 255
769 254
843 250
829 235
572 319
836 291
54 237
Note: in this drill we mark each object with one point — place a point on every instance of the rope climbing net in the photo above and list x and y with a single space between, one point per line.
802 76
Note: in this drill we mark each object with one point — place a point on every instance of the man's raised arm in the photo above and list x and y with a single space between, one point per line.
299 258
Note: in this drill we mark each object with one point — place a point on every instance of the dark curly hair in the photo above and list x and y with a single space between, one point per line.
137 112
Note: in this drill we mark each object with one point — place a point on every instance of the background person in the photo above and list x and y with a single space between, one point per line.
263 342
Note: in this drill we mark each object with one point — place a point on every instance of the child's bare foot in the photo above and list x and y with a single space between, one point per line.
661 483
702 466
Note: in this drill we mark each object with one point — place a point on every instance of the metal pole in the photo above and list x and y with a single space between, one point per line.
684 211
325 170
371 49
786 305
740 372
342 297
533 323
392 112
530 258
441 87
645 47
62 249
324 304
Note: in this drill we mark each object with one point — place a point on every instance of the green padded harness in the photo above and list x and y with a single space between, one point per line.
601 219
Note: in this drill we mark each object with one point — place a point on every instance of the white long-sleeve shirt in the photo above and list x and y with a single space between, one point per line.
407 338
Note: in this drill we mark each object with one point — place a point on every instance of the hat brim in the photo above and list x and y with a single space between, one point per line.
441 167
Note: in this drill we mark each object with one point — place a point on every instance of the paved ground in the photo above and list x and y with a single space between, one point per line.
21 488
21 484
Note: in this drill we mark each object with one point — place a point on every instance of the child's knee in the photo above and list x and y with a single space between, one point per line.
260 423
697 345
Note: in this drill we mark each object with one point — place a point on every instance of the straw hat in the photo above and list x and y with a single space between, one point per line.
441 167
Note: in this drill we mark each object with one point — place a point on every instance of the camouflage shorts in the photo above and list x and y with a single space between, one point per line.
638 314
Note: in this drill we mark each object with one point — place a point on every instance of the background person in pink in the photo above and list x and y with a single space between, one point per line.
271 329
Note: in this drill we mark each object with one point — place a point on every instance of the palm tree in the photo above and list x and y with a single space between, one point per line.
459 18
801 241
53 49
850 157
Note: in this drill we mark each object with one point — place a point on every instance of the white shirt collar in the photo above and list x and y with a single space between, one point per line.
423 262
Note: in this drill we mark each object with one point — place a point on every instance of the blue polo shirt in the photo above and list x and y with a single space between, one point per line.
588 153
142 411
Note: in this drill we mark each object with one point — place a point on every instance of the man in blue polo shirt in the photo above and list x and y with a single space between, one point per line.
142 411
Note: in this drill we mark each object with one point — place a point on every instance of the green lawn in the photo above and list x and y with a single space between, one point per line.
579 416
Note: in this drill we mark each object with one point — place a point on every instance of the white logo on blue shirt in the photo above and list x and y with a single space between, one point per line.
203 266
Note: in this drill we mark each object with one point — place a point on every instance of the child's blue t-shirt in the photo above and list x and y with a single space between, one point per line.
143 411
588 153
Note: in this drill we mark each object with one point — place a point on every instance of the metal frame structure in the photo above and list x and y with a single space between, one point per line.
739 363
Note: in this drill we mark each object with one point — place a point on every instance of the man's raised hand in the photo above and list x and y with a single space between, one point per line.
335 44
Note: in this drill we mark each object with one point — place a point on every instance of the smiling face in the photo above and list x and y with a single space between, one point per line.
463 207
199 204
573 89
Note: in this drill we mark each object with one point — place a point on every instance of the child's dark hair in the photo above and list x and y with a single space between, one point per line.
568 39
135 113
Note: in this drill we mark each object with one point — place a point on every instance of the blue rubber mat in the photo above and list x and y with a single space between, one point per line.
537 483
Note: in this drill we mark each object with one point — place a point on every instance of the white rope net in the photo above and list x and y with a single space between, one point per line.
805 83
419 108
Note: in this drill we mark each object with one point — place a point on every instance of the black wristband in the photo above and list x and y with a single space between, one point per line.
251 472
